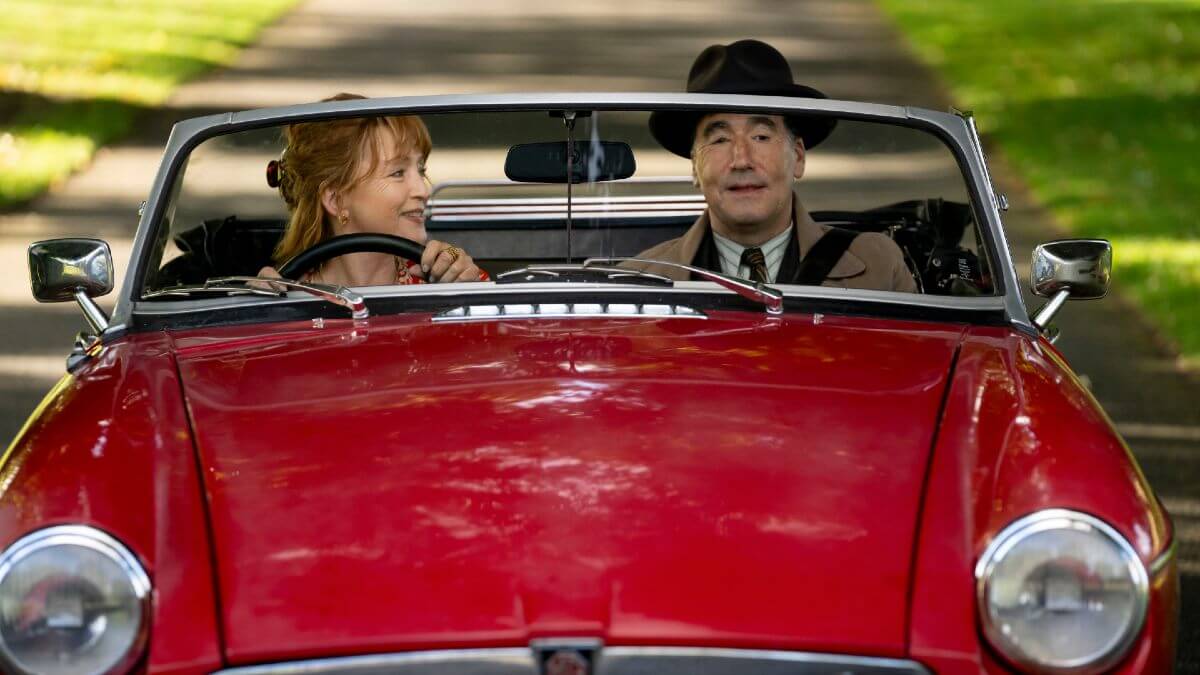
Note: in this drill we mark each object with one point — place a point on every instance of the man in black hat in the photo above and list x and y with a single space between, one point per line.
755 226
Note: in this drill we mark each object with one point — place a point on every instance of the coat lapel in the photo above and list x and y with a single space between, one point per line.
707 257
789 267
692 243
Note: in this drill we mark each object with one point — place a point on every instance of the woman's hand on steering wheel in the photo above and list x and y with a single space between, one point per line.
443 263
439 262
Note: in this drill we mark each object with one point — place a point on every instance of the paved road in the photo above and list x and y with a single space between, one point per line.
396 48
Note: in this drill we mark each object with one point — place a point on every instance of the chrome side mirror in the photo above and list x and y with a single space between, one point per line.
72 269
1070 268
1081 266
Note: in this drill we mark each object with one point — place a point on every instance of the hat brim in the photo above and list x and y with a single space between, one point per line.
675 130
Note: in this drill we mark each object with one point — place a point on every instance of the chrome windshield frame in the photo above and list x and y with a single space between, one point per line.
952 129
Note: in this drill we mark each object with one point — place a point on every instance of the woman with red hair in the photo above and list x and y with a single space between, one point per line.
363 175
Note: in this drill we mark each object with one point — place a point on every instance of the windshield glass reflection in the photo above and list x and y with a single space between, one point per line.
874 206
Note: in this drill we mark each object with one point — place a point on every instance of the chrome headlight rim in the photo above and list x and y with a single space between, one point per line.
1053 519
100 542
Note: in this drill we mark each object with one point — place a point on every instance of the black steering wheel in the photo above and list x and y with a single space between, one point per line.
316 254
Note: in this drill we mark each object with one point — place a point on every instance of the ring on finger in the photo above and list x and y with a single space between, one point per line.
454 252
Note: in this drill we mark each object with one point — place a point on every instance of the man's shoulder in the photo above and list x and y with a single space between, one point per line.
876 245
662 249
872 248
886 269
667 251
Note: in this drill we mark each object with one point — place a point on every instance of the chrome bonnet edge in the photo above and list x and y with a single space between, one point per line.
507 661
601 661
715 661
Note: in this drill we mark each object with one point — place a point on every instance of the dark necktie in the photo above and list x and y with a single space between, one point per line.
757 262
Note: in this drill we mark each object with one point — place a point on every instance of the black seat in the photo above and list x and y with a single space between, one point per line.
233 247
220 248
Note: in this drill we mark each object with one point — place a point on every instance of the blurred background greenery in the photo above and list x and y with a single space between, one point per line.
76 75
1096 103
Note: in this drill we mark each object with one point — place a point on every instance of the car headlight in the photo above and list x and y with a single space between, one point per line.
1061 591
73 601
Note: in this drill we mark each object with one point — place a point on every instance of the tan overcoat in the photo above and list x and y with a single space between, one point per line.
873 260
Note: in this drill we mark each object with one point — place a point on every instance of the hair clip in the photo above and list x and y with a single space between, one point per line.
274 172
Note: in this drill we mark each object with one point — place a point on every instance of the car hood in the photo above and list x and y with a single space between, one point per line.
737 480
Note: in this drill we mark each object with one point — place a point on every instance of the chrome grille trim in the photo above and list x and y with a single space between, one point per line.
610 661
567 310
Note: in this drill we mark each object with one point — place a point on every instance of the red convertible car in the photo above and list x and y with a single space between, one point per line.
597 459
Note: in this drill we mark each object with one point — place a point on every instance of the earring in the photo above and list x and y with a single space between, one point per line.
344 218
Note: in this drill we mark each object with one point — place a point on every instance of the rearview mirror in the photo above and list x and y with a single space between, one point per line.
590 161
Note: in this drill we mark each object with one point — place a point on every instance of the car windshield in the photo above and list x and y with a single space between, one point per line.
495 186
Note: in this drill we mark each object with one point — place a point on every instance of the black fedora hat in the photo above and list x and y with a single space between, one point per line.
743 67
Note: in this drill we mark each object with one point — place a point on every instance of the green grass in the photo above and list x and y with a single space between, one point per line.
1097 104
1164 276
74 74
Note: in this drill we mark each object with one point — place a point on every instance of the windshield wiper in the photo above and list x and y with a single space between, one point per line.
575 273
338 295
769 297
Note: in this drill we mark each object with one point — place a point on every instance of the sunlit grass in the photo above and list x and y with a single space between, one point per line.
75 74
1097 103
1164 276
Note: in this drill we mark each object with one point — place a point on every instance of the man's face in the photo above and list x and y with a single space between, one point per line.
746 165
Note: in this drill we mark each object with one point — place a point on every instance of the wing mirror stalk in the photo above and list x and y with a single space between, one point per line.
1046 314
76 269
1076 269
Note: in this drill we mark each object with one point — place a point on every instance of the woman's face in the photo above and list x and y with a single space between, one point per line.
390 200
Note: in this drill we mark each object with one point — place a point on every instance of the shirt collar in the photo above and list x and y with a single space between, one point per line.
730 253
